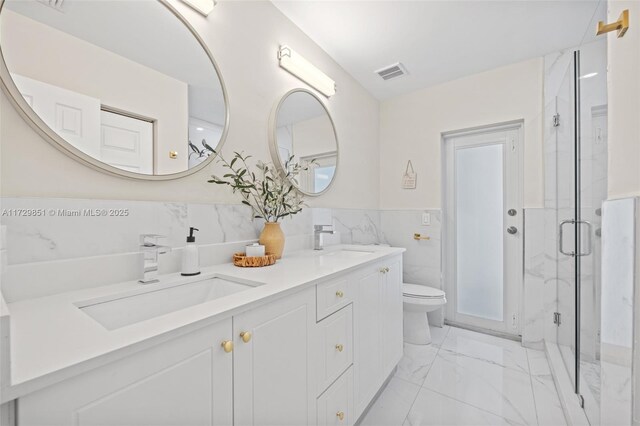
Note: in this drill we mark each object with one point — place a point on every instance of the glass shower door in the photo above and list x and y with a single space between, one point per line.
566 127
593 191
581 161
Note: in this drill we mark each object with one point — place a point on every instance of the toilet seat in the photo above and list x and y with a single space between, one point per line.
421 292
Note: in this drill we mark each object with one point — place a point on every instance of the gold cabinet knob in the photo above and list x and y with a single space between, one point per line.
383 270
339 347
227 345
339 293
340 415
245 336
386 269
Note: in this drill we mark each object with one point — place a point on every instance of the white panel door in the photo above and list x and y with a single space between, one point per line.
73 116
273 383
126 142
186 381
483 230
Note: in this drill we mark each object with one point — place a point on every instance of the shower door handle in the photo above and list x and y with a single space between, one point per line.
590 229
561 237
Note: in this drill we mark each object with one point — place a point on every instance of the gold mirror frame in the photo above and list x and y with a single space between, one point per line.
10 89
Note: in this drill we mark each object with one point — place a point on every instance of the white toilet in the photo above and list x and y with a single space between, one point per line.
417 301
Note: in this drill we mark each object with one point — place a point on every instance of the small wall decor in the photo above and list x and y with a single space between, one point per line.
410 177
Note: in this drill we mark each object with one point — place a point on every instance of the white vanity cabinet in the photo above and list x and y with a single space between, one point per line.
377 327
185 381
315 356
272 372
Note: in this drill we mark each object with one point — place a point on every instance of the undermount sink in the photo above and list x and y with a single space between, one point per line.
347 253
125 310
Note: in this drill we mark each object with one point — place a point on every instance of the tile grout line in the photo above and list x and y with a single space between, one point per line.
425 376
533 392
484 410
472 405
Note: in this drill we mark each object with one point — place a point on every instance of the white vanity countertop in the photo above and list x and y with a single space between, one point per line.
52 339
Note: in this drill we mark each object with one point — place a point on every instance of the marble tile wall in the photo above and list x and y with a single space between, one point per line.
76 234
71 231
618 269
422 260
534 279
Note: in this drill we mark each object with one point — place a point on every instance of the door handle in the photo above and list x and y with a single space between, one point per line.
561 237
590 229
512 230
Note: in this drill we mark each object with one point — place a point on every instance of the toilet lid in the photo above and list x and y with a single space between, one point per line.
421 291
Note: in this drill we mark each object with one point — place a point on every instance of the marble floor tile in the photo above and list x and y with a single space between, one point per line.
471 379
432 408
393 404
416 362
438 334
495 350
489 386
548 406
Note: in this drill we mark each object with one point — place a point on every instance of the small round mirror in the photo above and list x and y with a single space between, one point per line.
127 87
303 132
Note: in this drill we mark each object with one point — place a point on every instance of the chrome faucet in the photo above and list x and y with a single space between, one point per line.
151 249
318 230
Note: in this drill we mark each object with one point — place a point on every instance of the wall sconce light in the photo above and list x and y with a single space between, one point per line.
306 71
203 6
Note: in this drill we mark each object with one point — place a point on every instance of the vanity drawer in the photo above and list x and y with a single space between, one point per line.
335 351
335 406
331 296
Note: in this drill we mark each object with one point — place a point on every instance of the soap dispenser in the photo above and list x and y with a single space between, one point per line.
191 256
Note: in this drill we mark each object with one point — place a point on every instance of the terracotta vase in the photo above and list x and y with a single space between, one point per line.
272 238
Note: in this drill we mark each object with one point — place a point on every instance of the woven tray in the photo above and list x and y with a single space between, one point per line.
243 261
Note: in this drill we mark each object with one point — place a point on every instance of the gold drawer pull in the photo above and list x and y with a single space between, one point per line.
245 336
340 415
339 347
339 293
227 345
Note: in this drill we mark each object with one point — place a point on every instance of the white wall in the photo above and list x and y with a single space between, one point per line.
93 71
244 38
411 126
624 103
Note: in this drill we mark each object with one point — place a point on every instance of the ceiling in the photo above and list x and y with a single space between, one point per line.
439 41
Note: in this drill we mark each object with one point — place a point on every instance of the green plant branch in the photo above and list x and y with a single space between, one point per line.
271 194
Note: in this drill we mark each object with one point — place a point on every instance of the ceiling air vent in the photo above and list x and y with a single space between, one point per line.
54 4
392 71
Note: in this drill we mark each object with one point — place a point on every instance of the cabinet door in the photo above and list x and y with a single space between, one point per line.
367 337
273 383
335 406
186 381
391 312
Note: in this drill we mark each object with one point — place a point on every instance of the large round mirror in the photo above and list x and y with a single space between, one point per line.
125 86
303 132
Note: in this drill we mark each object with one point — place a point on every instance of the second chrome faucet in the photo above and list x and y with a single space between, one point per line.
318 230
